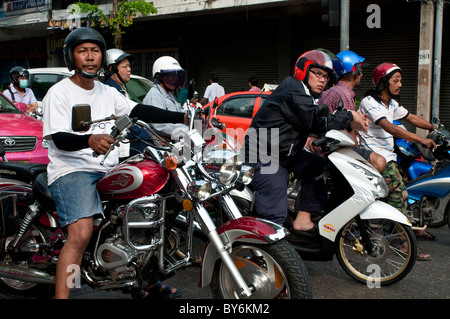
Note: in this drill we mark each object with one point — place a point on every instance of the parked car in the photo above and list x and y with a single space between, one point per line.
21 135
236 110
41 79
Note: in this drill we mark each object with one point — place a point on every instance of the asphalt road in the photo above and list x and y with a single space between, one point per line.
428 279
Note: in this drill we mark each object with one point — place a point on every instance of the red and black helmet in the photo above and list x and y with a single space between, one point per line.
383 73
320 58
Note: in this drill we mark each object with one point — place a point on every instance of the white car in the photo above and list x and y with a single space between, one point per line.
41 79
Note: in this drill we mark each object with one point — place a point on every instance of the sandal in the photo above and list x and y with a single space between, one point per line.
422 255
163 291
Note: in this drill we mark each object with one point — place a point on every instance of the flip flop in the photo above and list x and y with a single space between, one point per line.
421 255
310 232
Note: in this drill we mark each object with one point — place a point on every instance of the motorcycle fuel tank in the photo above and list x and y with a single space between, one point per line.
132 180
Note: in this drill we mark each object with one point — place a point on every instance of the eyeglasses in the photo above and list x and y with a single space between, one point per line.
320 75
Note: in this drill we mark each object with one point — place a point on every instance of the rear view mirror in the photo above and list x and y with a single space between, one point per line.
323 110
81 117
215 103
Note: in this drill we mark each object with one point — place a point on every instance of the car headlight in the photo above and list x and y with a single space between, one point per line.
378 182
44 143
200 189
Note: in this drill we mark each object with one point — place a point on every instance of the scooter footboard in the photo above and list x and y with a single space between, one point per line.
245 230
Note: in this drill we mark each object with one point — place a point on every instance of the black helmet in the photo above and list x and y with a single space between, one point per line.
17 72
79 36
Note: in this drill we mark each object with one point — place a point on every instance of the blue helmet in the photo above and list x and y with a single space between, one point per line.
351 63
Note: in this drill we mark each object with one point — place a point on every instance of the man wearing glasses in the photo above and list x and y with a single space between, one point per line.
274 143
342 96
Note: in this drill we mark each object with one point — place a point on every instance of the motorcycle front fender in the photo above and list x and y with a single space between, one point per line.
249 230
376 210
381 210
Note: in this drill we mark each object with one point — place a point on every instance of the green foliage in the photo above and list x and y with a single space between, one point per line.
126 11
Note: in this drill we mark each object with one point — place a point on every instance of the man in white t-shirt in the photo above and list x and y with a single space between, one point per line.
382 109
73 172
213 90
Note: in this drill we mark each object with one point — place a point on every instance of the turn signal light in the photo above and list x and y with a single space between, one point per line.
187 205
171 163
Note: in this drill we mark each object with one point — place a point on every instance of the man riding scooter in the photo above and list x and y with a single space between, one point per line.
286 119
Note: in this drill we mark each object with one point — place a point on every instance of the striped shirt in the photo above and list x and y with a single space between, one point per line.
376 138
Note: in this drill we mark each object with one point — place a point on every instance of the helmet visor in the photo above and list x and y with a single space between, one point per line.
175 78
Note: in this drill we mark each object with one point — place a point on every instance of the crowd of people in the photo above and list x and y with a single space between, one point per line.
319 77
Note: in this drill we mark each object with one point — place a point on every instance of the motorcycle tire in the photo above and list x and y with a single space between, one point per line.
394 250
275 271
17 289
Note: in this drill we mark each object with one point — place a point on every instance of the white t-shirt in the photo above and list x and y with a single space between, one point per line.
214 90
377 139
57 117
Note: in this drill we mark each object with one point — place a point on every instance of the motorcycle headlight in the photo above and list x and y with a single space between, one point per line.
381 189
200 189
246 174
229 171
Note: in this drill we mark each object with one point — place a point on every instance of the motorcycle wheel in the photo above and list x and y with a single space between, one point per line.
430 207
275 271
394 250
17 289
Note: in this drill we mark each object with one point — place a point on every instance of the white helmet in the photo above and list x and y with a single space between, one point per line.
167 65
113 57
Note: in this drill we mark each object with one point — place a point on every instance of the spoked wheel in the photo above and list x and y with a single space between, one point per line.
393 254
17 289
271 271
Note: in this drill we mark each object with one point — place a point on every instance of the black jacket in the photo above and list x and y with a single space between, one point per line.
292 111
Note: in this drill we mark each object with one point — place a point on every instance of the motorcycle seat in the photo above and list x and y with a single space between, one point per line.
25 172
42 193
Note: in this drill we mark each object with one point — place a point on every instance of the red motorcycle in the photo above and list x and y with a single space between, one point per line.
135 245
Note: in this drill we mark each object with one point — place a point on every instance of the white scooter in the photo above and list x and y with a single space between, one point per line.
373 241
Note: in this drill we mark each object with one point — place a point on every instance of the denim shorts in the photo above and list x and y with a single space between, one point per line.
76 196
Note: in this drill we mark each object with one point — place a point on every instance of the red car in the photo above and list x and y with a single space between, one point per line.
21 135
236 110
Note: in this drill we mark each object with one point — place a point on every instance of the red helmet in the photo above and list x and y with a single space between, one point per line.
382 73
321 58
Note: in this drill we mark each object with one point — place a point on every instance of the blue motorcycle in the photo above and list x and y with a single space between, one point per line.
428 178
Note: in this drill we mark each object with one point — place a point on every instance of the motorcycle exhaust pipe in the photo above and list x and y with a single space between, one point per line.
26 274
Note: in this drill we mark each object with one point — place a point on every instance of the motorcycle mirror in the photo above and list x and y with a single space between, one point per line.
340 105
323 110
81 117
216 123
216 103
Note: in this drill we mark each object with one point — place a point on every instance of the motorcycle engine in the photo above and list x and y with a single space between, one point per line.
115 256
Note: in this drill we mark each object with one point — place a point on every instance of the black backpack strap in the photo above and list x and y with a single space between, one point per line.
12 94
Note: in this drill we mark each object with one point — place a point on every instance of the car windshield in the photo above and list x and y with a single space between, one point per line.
6 106
42 82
